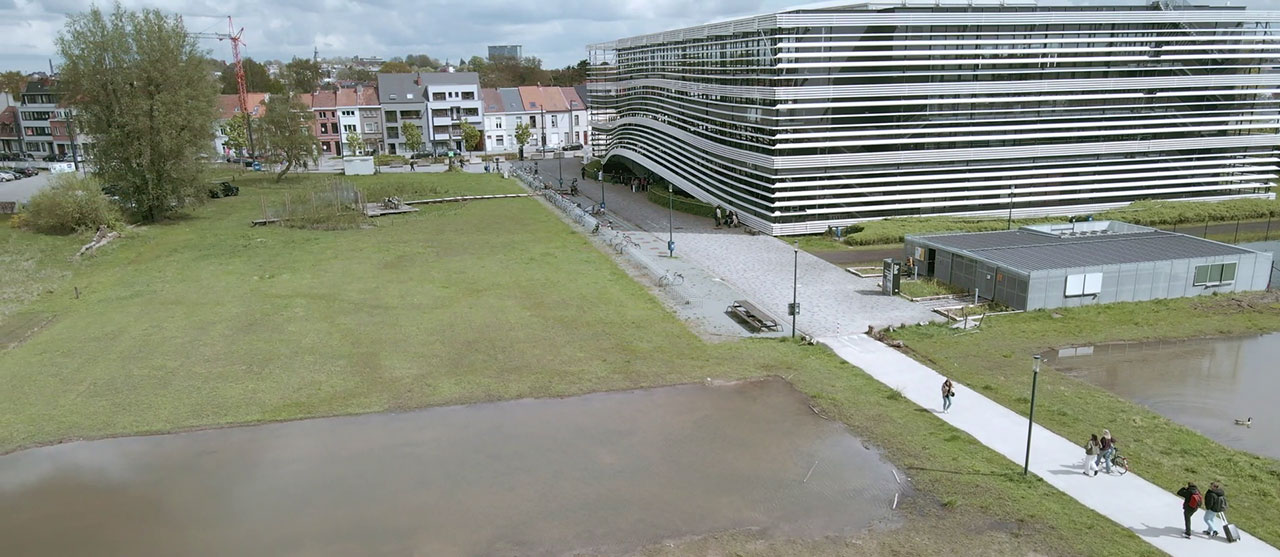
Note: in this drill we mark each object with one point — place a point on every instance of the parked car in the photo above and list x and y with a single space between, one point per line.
416 156
573 147
28 171
547 149
51 157
6 176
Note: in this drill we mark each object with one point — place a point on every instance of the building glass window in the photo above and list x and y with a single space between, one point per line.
1215 274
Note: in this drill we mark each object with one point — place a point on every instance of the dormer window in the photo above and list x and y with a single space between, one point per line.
393 97
408 96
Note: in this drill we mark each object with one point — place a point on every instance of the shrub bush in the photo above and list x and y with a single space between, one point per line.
70 204
384 160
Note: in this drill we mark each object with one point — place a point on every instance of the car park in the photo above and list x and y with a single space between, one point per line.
7 176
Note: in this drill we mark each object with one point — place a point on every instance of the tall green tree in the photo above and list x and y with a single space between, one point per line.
256 79
13 82
352 73
412 137
237 135
286 133
395 67
422 62
138 83
355 144
302 75
470 137
522 135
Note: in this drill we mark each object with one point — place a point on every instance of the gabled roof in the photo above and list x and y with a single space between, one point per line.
228 105
531 98
575 101
491 100
324 99
511 101
402 86
450 78
9 115
581 90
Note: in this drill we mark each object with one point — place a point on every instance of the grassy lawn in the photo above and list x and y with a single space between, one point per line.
205 321
996 359
928 287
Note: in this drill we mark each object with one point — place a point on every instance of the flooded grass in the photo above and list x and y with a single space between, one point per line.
629 469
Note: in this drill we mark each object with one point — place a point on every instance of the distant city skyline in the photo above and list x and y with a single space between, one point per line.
555 32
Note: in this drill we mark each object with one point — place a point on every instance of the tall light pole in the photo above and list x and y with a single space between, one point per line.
601 177
671 237
1031 417
795 286
1011 192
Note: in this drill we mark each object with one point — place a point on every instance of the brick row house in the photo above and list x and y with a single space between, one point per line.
46 125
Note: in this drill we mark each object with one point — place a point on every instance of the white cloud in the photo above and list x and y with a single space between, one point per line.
557 32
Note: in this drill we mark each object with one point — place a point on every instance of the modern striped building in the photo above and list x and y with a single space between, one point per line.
816 117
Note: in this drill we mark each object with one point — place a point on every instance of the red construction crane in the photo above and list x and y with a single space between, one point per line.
234 36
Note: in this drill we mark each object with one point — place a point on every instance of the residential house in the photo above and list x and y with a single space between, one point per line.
39 105
437 102
454 99
359 111
324 106
229 107
557 117
10 142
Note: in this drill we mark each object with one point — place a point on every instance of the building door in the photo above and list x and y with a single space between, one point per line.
929 257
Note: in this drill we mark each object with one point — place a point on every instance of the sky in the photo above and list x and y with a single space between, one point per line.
556 31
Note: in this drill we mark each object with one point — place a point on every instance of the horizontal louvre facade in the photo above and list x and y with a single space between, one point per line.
807 119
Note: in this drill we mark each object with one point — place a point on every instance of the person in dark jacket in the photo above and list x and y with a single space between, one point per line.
1215 503
1190 502
1108 450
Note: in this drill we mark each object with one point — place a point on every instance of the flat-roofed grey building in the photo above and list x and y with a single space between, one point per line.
816 117
1085 263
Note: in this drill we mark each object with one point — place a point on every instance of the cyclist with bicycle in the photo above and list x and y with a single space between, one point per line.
1108 449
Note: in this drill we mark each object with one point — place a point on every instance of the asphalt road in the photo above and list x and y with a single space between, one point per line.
22 190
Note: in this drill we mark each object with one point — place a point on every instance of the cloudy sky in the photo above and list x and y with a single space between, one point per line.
556 31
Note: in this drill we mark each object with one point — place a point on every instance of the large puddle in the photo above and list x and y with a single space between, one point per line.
1203 384
603 473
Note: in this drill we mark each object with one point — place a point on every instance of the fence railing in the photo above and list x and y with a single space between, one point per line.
567 206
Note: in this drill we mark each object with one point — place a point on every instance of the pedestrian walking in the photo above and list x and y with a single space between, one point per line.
1091 450
1215 504
719 216
1191 500
1108 449
411 165
948 392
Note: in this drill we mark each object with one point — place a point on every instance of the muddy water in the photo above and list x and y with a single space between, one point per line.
604 472
1202 384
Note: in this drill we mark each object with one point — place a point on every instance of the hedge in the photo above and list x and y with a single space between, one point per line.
681 203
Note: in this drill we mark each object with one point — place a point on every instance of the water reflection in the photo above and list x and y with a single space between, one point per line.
1203 384
605 472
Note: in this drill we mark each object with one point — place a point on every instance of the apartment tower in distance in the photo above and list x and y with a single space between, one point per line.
818 117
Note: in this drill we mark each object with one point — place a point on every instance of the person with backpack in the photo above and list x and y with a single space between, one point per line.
1108 450
1191 501
948 391
1215 503
1091 450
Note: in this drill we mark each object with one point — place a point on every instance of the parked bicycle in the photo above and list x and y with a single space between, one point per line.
671 279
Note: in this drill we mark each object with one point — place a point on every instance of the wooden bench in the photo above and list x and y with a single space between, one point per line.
755 318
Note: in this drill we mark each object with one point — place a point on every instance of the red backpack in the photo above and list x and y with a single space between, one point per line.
1196 500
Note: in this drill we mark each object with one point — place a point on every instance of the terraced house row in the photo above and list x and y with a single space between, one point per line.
809 118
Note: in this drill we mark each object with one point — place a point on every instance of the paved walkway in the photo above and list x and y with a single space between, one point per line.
1151 512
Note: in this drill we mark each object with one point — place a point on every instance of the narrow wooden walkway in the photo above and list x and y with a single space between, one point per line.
466 198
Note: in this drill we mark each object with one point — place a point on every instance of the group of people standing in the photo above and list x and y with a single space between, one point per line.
726 218
1099 452
1214 503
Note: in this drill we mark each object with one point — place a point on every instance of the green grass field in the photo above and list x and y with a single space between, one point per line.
205 321
995 360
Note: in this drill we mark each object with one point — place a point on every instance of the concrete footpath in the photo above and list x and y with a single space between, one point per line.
1151 512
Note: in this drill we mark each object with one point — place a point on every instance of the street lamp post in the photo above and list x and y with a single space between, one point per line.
1011 192
671 237
601 194
795 286
1031 417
